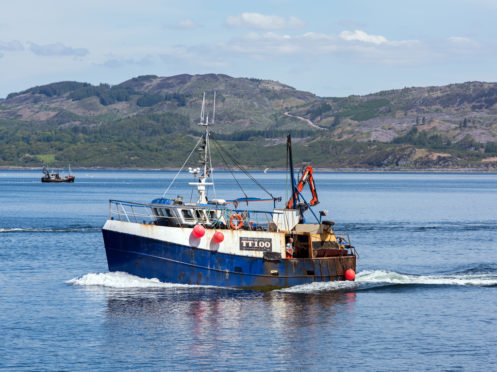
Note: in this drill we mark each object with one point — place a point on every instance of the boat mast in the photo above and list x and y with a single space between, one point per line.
292 176
204 151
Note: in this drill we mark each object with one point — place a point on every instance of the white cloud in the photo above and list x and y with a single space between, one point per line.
463 41
57 49
361 36
117 62
11 46
178 56
267 44
263 22
370 48
188 24
184 24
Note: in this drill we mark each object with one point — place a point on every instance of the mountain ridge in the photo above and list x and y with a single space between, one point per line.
450 126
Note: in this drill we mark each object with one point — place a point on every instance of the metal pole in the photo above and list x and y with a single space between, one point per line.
292 176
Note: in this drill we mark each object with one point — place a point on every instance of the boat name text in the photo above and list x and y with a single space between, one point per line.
256 244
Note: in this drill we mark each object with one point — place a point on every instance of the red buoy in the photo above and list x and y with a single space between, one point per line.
198 231
350 274
218 237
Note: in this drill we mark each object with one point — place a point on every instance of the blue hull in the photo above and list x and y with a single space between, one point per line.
173 263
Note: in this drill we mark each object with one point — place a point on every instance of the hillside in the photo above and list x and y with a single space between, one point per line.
241 103
456 111
150 121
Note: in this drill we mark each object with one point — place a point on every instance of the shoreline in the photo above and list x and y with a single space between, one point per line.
316 169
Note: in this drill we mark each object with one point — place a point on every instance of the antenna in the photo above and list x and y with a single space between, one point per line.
214 109
202 111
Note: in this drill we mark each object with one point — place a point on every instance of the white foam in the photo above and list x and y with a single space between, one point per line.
123 280
367 279
117 280
5 229
40 229
390 277
321 287
364 279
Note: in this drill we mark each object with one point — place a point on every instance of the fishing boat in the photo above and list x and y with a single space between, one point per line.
55 177
220 242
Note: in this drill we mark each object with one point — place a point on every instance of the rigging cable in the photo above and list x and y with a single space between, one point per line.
210 163
229 168
238 165
287 177
177 174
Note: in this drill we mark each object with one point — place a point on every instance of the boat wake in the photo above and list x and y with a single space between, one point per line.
120 280
409 226
373 279
48 229
365 280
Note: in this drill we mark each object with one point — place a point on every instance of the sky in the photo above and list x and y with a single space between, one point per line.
328 47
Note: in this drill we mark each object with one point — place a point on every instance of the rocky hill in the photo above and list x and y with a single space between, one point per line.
150 121
241 103
455 111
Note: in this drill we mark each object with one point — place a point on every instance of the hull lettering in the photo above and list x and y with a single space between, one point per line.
256 244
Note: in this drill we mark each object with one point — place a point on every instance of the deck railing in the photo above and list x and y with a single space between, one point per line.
217 216
131 212
346 242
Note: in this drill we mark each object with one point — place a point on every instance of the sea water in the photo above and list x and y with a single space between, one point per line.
425 296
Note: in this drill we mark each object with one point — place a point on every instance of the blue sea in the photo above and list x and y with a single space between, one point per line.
425 296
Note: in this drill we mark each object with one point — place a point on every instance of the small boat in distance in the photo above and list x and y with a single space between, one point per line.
54 176
220 242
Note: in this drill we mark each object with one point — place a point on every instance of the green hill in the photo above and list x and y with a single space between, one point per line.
150 121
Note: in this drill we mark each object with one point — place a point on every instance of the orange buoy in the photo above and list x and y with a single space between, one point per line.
218 237
350 274
236 225
198 231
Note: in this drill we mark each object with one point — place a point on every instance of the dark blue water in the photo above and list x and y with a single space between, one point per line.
425 297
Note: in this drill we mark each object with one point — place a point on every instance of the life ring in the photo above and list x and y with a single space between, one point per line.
240 221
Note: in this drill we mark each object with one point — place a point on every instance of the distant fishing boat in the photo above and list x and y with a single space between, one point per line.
223 242
54 176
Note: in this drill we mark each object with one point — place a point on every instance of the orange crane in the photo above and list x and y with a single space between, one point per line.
306 178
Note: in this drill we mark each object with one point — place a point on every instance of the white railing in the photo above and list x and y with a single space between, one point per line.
189 215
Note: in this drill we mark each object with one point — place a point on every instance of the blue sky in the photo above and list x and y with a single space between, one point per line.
330 48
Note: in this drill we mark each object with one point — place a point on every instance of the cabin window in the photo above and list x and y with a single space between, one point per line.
202 215
167 212
212 215
187 214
